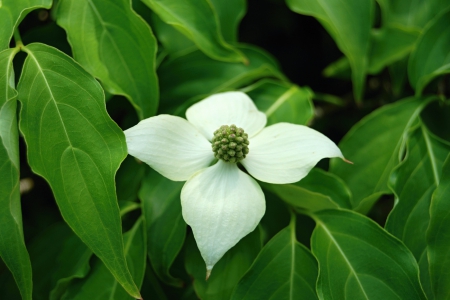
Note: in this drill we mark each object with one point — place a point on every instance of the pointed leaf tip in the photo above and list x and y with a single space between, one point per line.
347 161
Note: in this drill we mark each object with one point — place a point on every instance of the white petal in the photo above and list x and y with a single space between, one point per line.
226 109
170 145
222 204
285 153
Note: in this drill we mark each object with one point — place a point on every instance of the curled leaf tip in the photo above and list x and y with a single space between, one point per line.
347 161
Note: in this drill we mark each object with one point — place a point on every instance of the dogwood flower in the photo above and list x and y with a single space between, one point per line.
221 202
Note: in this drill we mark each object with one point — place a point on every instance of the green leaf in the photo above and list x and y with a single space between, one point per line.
413 183
375 145
437 236
115 45
12 245
199 76
317 191
410 14
128 179
349 23
294 265
227 272
165 226
282 101
12 12
77 148
172 40
390 44
359 260
230 14
199 22
431 56
100 284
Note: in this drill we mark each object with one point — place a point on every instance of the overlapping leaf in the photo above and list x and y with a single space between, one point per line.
165 226
12 13
230 14
437 236
317 191
349 23
199 22
121 51
359 260
12 244
375 145
100 284
284 269
431 56
282 101
413 183
227 272
77 148
198 76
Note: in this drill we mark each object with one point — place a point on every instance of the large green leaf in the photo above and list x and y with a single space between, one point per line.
115 45
66 248
165 226
294 265
100 284
375 145
199 76
437 236
282 101
431 57
230 14
12 13
349 23
227 272
359 260
128 179
199 22
77 148
413 183
410 14
317 191
12 244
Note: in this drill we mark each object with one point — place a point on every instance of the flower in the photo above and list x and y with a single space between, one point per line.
220 202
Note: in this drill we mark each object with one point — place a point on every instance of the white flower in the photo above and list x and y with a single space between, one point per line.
220 202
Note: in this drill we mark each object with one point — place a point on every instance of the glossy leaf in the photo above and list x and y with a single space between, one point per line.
431 56
230 14
413 183
77 148
12 12
199 22
390 44
100 284
437 236
199 76
121 51
348 22
359 260
128 179
375 145
410 14
317 191
282 101
165 226
227 272
12 245
284 269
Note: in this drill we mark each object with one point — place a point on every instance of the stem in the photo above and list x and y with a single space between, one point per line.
18 38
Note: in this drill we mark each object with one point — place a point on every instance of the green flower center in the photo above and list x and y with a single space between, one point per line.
230 143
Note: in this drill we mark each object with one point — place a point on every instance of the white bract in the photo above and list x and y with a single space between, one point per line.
220 202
